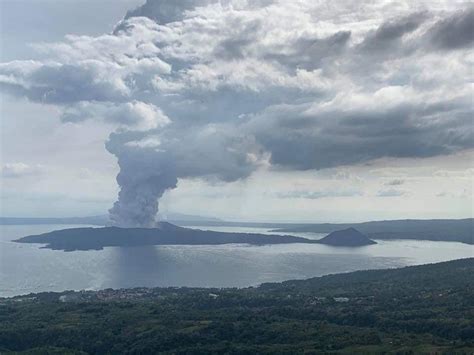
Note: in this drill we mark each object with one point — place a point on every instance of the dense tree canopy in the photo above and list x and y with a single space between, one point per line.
416 309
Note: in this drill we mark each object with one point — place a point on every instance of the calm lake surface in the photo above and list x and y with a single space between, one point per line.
26 268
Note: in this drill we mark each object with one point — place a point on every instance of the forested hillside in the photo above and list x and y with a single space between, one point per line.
417 309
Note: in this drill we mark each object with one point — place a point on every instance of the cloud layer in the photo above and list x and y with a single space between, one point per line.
19 170
218 89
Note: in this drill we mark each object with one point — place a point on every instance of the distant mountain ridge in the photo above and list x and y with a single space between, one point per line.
454 230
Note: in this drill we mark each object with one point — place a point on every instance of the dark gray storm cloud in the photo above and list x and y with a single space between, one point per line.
166 11
219 89
454 32
310 52
395 182
338 137
235 46
389 33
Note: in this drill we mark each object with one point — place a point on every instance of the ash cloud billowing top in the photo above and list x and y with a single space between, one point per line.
218 89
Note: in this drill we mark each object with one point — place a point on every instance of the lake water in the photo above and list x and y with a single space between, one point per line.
26 268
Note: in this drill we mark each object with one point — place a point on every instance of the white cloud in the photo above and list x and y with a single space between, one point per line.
134 114
20 170
391 193
313 195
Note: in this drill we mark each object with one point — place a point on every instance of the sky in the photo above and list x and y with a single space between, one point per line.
264 110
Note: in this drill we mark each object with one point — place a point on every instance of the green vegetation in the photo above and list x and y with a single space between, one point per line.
422 309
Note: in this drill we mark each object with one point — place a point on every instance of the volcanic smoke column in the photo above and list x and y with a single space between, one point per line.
151 163
145 174
137 204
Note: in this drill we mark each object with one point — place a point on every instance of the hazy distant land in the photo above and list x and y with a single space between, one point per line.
453 230
170 234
